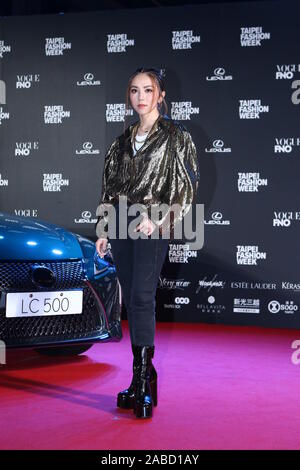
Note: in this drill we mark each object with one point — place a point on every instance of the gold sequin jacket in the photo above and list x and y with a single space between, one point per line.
164 170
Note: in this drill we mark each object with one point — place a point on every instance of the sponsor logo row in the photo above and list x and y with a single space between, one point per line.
119 42
240 306
284 71
53 182
281 146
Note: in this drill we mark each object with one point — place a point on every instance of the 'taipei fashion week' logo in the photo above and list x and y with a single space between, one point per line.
3 182
56 46
184 39
251 109
4 115
252 36
115 112
249 255
118 42
250 182
4 48
54 114
182 110
53 182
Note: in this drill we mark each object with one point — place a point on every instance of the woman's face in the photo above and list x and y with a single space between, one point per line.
143 95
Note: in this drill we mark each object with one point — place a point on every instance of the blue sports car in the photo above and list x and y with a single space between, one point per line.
56 294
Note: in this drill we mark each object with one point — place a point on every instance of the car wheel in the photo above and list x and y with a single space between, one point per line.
64 350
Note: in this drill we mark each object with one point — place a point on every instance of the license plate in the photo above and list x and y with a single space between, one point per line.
33 304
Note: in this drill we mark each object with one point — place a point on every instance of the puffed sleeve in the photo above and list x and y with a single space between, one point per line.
105 197
182 180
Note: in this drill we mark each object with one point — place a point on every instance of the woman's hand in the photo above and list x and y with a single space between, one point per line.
101 245
146 226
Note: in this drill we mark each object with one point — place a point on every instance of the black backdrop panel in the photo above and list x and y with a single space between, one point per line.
232 75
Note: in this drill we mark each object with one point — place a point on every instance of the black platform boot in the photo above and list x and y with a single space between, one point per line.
145 386
126 397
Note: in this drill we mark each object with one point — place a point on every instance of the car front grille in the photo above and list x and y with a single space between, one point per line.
34 331
15 276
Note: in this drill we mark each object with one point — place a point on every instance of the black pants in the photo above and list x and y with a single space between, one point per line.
138 265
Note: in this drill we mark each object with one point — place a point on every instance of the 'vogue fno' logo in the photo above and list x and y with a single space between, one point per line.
249 254
118 42
53 182
26 212
286 71
184 39
23 149
250 182
252 36
182 110
251 109
4 48
285 219
115 112
219 75
55 114
286 144
218 147
56 46
26 81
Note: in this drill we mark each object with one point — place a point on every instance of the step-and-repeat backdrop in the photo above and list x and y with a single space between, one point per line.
233 79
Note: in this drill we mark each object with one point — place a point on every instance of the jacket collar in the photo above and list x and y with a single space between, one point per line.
160 123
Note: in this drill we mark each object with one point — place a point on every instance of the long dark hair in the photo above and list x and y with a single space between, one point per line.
157 79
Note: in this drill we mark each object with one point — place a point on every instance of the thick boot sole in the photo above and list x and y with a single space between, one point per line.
145 411
125 402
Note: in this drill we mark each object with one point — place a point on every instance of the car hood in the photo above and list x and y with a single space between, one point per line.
29 238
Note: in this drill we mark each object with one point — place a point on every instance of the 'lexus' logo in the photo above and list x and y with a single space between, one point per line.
42 276
88 77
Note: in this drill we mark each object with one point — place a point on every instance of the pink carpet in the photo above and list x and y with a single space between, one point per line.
219 387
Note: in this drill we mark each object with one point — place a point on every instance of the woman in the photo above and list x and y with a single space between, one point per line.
154 161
